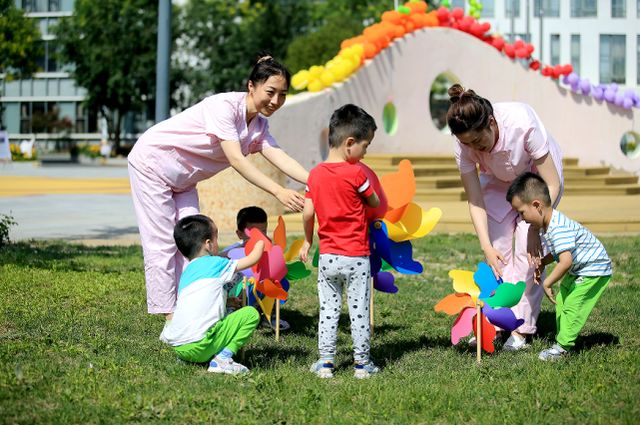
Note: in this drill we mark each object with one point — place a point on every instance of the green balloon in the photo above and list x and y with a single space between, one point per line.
404 10
445 3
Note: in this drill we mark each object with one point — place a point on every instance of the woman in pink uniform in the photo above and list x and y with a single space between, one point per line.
504 140
174 155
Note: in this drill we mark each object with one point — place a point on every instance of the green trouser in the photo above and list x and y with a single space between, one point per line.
578 295
231 332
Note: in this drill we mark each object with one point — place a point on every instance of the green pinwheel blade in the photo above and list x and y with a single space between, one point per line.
316 257
297 270
236 290
506 295
386 266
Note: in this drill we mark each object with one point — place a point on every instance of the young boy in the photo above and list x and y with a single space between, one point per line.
337 192
199 328
249 218
582 260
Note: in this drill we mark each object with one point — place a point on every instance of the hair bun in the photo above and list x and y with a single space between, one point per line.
264 59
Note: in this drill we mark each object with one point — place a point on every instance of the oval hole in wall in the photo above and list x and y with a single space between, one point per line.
439 99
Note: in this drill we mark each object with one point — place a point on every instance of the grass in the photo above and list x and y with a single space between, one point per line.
76 346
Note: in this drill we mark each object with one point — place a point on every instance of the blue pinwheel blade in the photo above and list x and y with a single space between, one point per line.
285 285
485 279
397 254
502 317
384 282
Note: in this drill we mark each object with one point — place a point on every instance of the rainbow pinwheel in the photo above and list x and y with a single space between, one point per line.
481 289
269 279
396 222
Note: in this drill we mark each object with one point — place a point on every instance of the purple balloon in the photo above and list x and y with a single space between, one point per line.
575 86
573 78
598 94
565 80
613 86
627 103
609 95
619 99
585 86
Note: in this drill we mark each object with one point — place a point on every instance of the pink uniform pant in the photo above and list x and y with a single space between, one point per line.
158 208
509 237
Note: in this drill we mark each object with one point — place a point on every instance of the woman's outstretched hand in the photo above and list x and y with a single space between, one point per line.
495 260
291 199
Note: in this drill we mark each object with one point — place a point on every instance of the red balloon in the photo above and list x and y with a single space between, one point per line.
567 69
443 14
530 48
510 50
457 13
547 71
498 43
535 65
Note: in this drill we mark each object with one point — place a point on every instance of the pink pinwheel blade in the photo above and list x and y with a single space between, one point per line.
384 282
502 317
462 326
277 267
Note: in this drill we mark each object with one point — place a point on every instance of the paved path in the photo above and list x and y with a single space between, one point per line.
75 202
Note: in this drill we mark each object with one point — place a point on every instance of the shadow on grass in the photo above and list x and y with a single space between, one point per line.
547 331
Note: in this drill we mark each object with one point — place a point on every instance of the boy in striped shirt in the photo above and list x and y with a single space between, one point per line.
581 258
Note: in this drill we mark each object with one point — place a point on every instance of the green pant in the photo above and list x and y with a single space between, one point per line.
231 332
578 295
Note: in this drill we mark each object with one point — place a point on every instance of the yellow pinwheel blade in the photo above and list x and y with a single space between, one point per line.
294 250
463 283
415 223
266 303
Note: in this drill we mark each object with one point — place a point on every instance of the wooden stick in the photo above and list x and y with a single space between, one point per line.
371 309
478 332
244 292
277 320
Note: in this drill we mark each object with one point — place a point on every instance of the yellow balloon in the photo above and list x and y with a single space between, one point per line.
315 85
327 77
340 70
300 80
316 70
358 50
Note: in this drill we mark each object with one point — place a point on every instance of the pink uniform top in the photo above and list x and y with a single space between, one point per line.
185 148
522 139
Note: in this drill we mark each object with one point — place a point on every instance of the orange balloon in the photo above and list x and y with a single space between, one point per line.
370 50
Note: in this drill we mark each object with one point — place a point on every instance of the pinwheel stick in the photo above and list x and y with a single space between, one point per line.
478 333
371 291
244 292
277 320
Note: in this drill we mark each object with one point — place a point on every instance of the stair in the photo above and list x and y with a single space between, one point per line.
437 177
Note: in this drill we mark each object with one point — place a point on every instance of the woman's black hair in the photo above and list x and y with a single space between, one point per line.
267 67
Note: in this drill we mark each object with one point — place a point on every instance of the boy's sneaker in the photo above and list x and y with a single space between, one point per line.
322 368
365 370
556 352
284 325
218 365
515 343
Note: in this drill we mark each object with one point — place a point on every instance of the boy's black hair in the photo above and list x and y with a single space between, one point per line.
251 214
191 232
528 187
350 121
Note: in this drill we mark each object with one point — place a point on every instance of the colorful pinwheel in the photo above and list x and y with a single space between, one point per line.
481 293
269 279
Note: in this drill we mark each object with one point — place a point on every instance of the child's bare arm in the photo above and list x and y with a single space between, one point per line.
308 214
253 257
563 266
540 265
372 200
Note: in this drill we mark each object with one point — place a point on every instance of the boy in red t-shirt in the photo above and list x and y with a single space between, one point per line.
337 193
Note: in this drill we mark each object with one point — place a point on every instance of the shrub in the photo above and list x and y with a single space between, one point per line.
6 222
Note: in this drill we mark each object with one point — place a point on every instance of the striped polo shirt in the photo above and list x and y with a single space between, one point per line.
588 256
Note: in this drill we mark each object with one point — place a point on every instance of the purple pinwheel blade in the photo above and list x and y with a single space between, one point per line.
485 279
502 317
383 282
236 254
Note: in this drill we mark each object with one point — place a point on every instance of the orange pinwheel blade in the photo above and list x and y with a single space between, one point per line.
280 234
454 303
256 235
272 289
399 187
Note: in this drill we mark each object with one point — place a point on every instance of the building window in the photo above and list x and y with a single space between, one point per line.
512 6
48 62
458 3
618 8
487 9
551 8
612 59
43 117
584 8
575 53
554 49
39 5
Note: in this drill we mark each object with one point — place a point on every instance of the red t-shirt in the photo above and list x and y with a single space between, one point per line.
338 191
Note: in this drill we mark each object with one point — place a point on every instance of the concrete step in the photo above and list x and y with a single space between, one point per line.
418 159
443 182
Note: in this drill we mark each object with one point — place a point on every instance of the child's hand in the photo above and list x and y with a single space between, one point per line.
304 251
548 291
539 269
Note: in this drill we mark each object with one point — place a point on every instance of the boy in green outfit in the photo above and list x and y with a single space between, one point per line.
581 258
199 329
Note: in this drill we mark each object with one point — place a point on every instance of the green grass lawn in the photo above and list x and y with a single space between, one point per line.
76 345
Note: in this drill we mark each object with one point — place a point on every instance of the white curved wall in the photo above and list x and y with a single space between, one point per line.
403 73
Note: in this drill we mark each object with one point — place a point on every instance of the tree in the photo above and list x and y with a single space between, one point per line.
221 39
112 45
19 43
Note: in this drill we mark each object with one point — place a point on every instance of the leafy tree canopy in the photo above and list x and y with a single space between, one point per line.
19 42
